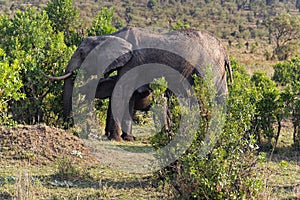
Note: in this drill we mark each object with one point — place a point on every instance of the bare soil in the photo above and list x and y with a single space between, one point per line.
40 144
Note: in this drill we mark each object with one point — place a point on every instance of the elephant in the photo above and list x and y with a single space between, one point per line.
128 55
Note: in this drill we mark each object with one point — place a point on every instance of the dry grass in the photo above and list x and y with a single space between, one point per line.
38 182
281 175
68 177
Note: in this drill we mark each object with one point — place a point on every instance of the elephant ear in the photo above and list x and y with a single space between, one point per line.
110 54
83 50
118 63
116 50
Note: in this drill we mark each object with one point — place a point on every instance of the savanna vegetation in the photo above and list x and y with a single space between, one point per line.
256 154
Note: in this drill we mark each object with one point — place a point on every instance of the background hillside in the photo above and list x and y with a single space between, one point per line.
241 24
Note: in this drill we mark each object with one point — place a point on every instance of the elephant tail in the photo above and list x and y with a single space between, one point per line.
228 68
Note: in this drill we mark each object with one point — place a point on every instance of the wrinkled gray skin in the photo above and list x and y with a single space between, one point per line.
213 49
140 99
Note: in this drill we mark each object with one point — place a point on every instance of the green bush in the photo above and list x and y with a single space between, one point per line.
159 108
28 39
62 14
179 25
10 85
287 75
33 41
101 110
228 171
269 108
102 23
66 169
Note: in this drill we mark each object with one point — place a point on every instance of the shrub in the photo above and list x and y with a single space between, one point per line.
10 85
287 75
228 170
269 108
30 43
102 23
64 18
101 110
180 25
66 170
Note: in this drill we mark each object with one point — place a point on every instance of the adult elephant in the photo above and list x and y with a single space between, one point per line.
187 51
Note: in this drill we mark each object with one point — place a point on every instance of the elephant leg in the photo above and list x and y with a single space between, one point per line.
127 123
139 101
108 122
113 128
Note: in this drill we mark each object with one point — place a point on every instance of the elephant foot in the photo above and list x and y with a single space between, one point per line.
107 133
128 137
115 138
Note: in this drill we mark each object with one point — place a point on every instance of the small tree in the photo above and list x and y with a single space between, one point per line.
151 4
179 25
64 18
269 108
270 2
228 171
10 85
102 23
287 74
292 102
241 4
284 30
29 39
62 14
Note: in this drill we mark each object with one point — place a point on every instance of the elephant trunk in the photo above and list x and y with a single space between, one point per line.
67 99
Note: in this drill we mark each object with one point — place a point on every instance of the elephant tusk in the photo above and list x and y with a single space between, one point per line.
57 78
